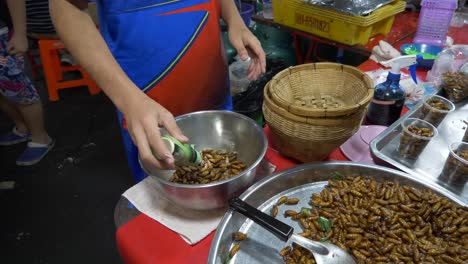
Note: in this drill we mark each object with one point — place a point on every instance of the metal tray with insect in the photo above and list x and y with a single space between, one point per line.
428 166
298 182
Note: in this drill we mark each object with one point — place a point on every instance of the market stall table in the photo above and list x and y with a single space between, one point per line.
141 239
404 26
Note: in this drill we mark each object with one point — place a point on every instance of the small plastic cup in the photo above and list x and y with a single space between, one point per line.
411 143
455 171
267 9
431 113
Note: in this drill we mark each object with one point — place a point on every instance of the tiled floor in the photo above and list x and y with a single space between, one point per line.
61 211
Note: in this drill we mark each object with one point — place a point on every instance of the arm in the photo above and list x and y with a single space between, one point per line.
143 115
83 40
243 40
229 13
19 41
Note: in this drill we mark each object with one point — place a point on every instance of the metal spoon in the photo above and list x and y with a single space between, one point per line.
323 252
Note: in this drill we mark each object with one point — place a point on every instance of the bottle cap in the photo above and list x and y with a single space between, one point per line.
397 63
183 153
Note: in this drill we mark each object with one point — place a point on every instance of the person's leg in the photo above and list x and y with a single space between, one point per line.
23 97
18 89
34 119
12 112
30 107
20 132
8 91
40 143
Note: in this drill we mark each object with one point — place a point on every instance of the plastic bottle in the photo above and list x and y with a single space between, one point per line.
389 96
434 21
184 154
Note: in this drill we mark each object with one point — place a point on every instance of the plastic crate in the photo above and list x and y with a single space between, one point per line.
434 21
334 25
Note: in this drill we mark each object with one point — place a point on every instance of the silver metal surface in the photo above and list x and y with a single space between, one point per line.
299 182
217 130
324 252
352 7
431 161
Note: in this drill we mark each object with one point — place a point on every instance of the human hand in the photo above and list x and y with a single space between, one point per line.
144 117
18 44
247 45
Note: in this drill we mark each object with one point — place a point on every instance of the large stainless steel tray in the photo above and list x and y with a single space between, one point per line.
300 182
430 163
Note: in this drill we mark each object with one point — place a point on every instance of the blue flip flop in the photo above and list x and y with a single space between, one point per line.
13 137
34 153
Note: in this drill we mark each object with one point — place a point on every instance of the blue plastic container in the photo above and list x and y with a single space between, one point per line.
416 48
246 12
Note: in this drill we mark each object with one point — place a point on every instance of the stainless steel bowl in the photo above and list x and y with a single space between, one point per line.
217 130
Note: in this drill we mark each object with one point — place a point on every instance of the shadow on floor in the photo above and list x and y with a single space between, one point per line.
61 210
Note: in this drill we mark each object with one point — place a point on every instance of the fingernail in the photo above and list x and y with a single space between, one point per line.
169 160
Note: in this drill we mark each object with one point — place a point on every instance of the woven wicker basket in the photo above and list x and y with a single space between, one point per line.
312 138
322 89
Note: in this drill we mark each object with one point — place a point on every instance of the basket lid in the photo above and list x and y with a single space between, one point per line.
322 89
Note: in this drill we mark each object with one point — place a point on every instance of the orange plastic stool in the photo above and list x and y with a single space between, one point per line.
53 70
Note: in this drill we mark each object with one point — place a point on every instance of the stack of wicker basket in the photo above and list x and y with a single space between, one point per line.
312 109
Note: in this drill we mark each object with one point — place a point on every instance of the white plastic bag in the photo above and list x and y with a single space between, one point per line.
238 75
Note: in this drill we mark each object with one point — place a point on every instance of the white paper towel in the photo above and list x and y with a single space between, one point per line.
191 225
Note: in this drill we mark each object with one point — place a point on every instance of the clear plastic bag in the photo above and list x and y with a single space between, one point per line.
452 59
450 72
238 75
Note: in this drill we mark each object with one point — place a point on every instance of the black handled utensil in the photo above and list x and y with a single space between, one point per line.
323 252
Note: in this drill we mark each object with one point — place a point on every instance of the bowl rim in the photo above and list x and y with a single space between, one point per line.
322 112
402 49
212 184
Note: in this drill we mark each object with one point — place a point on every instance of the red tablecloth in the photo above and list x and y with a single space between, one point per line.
144 240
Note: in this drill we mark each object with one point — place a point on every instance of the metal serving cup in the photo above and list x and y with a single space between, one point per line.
455 171
433 115
412 145
216 130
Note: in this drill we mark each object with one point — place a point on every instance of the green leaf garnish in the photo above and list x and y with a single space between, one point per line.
337 176
306 211
325 224
323 239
